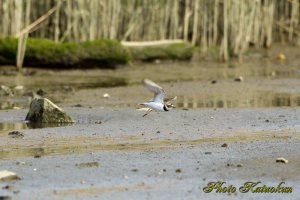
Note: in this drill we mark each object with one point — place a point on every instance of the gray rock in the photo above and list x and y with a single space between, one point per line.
42 110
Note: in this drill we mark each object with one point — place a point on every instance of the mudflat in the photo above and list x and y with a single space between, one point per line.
112 153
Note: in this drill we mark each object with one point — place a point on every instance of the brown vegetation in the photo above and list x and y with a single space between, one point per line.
232 25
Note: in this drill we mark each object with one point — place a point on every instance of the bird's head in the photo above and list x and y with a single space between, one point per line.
170 106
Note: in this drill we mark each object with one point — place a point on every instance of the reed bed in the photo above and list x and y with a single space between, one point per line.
231 25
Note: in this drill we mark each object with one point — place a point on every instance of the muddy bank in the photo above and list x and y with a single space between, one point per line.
161 156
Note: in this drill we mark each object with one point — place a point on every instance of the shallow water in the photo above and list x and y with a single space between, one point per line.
258 88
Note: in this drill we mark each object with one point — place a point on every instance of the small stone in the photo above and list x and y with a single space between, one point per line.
20 163
134 170
19 89
16 134
280 56
78 105
213 81
8 187
239 79
178 170
224 145
106 95
8 176
207 153
267 120
98 122
239 165
40 92
282 160
39 152
157 131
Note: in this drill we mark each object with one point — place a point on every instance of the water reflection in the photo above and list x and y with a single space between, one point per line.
260 99
10 105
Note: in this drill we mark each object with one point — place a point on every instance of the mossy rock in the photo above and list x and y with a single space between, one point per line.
46 53
42 110
178 51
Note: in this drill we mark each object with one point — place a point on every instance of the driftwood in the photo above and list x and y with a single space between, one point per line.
151 43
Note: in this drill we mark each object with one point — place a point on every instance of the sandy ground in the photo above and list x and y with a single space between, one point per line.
117 154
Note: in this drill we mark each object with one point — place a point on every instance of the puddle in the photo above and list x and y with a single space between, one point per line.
6 127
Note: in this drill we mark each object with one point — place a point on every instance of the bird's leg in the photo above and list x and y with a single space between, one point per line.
148 111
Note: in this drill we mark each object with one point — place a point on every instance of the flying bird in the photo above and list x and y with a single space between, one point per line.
158 102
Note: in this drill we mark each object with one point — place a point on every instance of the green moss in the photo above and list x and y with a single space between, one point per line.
180 51
46 53
8 49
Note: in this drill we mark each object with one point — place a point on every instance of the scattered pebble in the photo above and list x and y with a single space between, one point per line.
8 187
282 160
106 95
8 176
157 131
78 105
224 145
39 152
134 170
267 120
16 134
178 170
280 56
239 79
214 81
82 181
239 165
98 122
207 153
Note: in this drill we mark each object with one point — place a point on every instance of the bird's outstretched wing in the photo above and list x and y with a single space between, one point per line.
159 93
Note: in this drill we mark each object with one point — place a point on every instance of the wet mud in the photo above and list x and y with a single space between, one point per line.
231 122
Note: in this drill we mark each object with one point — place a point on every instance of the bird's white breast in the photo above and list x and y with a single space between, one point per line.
155 105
